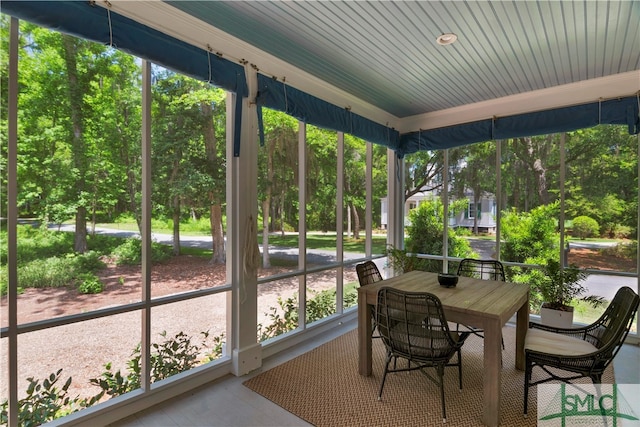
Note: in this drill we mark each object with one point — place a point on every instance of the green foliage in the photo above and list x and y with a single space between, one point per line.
45 402
622 250
54 272
89 283
427 229
89 261
323 304
38 243
403 262
425 236
558 287
280 324
51 272
169 357
584 226
285 318
529 234
130 252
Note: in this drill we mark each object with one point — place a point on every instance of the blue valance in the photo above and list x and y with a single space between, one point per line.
623 111
309 109
88 21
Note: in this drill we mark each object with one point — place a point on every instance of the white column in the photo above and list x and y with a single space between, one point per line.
395 191
145 346
242 208
12 223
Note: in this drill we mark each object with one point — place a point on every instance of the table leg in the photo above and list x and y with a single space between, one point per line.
492 372
522 325
364 335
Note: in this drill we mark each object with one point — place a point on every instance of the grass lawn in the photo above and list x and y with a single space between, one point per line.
317 240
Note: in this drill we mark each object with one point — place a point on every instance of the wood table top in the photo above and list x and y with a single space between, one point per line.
486 298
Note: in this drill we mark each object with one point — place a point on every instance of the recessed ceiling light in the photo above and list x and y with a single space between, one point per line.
446 38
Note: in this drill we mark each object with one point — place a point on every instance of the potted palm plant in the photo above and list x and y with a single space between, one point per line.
558 287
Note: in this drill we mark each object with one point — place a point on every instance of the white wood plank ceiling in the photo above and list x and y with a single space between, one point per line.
384 53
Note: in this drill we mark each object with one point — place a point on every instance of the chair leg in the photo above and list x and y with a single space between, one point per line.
527 380
440 369
384 375
460 368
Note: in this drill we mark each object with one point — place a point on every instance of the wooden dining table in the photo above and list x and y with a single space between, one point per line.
486 304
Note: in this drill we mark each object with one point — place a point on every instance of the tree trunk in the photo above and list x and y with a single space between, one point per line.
175 204
215 200
80 160
356 222
80 239
266 262
176 225
217 235
476 192
266 207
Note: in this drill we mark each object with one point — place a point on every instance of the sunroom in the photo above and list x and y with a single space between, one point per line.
469 103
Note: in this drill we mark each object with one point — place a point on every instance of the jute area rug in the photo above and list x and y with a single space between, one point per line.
323 387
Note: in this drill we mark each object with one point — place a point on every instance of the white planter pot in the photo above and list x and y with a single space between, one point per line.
556 318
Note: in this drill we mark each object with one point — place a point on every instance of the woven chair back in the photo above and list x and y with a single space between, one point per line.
486 269
413 325
368 273
615 322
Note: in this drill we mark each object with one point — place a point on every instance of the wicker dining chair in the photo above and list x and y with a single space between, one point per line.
368 274
485 269
413 326
583 352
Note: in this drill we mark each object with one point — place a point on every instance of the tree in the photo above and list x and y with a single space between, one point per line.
278 166
476 172
529 235
354 176
188 170
426 231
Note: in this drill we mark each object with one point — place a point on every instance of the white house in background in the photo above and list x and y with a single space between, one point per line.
485 211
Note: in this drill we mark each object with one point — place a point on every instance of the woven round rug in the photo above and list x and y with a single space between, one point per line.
324 388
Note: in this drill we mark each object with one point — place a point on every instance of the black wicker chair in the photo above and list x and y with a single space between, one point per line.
368 274
582 352
413 326
486 269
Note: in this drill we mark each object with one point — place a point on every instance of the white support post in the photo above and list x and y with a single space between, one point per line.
302 222
445 214
395 190
242 215
340 208
368 212
145 346
12 223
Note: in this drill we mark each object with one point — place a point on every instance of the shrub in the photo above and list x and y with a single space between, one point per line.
38 243
89 283
170 357
584 226
45 402
320 306
529 234
402 262
427 229
130 252
56 272
51 272
622 250
89 261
